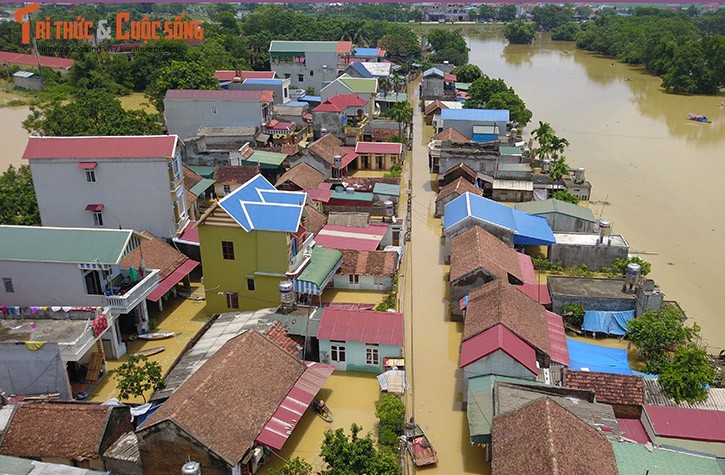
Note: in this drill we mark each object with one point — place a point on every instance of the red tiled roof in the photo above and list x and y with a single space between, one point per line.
681 423
378 263
608 388
461 168
451 135
220 95
313 220
156 255
327 146
172 279
364 326
527 268
499 303
379 147
319 194
478 249
434 106
150 146
234 174
289 343
29 60
340 102
344 47
347 237
384 134
460 186
558 349
498 338
634 430
229 75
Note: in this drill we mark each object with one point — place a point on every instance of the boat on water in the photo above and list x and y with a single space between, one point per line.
156 335
419 446
149 351
698 118
322 410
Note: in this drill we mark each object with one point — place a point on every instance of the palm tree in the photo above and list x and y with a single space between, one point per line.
559 169
401 112
543 135
558 145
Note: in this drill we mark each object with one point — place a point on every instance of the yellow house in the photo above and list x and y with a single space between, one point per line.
252 240
378 155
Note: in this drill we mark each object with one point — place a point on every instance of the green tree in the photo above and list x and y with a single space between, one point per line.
620 265
448 46
402 113
150 58
559 169
686 378
481 91
213 55
18 205
400 42
356 455
138 375
87 73
509 100
550 17
487 12
518 32
654 332
467 73
564 195
390 412
573 314
507 12
565 32
295 466
543 134
180 75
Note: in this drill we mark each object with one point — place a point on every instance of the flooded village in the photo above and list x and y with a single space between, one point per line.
338 242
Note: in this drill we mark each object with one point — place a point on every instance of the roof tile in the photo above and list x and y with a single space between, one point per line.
377 263
148 146
234 174
459 187
219 95
608 388
156 255
478 249
303 175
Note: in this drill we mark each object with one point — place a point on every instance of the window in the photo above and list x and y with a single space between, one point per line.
286 75
312 72
250 283
337 352
227 189
300 77
372 356
213 111
232 300
354 279
98 218
91 176
228 250
92 279
8 285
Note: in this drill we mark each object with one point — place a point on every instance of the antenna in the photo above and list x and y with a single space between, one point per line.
601 212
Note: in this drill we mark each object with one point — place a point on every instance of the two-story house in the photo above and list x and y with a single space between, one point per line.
280 87
364 88
252 240
309 64
343 115
186 111
130 182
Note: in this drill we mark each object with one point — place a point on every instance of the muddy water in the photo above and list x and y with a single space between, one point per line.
661 173
13 137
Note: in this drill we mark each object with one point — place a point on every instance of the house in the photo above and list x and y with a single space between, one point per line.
635 459
309 65
562 217
257 401
270 163
343 115
301 177
228 178
280 87
99 182
323 154
213 145
454 173
592 250
369 69
360 340
199 191
69 433
368 238
28 80
590 293
313 220
293 111
383 131
543 437
368 55
349 200
513 227
582 190
438 85
378 155
696 430
454 190
60 65
185 111
465 120
366 270
366 89
625 393
252 240
387 192
432 111
483 158
386 100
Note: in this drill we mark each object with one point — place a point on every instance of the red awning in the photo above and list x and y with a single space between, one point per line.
172 279
87 165
94 207
293 407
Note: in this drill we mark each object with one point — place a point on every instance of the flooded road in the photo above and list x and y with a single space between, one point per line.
661 173
13 136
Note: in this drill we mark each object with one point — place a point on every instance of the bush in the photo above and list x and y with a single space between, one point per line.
573 314
619 268
390 412
689 374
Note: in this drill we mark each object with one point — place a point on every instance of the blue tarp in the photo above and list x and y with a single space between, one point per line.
611 323
597 358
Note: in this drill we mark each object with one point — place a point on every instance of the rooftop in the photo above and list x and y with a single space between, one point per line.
340 102
556 206
461 168
655 395
451 135
20 466
608 388
157 254
280 48
302 175
31 60
312 219
589 239
347 237
48 330
359 85
234 174
223 95
229 75
364 326
432 72
96 148
481 115
636 459
263 157
327 146
682 423
588 287
379 147
377 263
496 338
477 249
387 189
349 219
346 195
323 263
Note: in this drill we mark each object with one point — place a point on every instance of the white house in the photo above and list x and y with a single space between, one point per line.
309 64
130 182
366 270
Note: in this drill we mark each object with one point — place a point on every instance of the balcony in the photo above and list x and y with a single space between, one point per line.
356 126
303 254
76 349
135 295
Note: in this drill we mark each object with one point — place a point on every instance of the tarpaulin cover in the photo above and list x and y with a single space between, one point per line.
588 357
612 323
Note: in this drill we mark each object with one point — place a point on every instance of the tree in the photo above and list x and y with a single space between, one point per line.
686 378
654 332
467 73
390 412
356 455
564 195
87 73
565 32
448 46
620 266
486 12
509 100
150 58
295 466
93 112
573 314
518 32
18 205
543 134
481 91
559 169
550 17
180 75
138 375
558 145
507 12
213 55
402 113
400 42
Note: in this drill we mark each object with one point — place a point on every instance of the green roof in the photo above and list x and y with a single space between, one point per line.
323 263
360 85
206 172
463 86
556 206
281 48
386 189
272 159
503 150
635 459
79 246
392 97
300 326
354 196
202 186
514 167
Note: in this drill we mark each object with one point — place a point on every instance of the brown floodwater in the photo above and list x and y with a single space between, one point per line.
13 137
660 172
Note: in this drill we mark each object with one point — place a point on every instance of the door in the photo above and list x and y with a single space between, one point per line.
353 281
338 355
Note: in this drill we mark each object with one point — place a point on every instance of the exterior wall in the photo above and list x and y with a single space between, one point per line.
332 122
431 88
514 196
184 117
314 63
135 194
713 448
462 287
562 223
33 372
281 90
595 257
219 189
498 363
33 83
485 164
355 356
466 126
592 303
366 282
369 161
624 411
118 424
122 467
582 191
165 448
440 205
258 254
312 160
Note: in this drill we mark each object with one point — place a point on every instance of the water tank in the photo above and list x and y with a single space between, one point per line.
633 272
191 468
545 165
338 161
286 293
389 208
605 227
579 175
350 189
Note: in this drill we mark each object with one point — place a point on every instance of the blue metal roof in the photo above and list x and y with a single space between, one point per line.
297 104
257 205
433 71
527 229
362 70
484 115
271 82
311 98
366 52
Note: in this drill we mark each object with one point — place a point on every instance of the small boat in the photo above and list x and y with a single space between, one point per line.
698 118
149 351
322 410
156 335
419 446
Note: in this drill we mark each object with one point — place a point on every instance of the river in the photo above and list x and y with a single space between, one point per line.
660 172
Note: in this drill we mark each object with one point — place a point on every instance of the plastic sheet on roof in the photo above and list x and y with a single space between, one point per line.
611 323
587 357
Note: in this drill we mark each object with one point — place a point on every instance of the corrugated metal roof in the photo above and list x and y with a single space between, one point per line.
267 81
323 263
148 146
363 326
635 459
224 95
515 151
266 158
654 394
633 429
172 279
19 466
433 72
206 172
483 115
279 48
23 74
31 60
366 52
496 338
360 85
379 147
392 97
344 195
69 245
558 350
201 186
556 206
125 448
386 189
515 185
346 237
683 423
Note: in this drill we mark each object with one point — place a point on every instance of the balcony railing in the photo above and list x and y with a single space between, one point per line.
74 350
136 294
304 252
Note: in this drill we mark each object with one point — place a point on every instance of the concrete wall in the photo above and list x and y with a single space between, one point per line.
313 64
366 282
183 117
466 126
355 355
592 303
281 90
122 467
28 372
332 122
498 363
431 88
562 223
485 164
594 257
513 196
135 194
